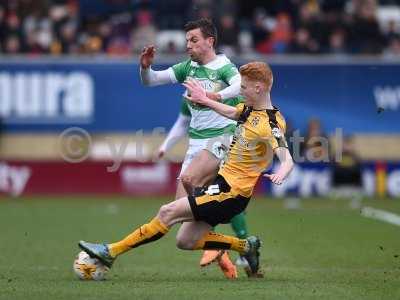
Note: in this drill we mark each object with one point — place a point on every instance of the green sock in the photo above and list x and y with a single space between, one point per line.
239 226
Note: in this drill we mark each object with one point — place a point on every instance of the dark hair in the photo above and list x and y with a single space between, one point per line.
206 27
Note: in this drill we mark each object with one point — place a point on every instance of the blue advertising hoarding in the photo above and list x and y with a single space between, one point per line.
108 96
315 179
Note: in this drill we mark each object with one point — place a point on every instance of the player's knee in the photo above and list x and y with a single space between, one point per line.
187 179
166 213
190 180
185 243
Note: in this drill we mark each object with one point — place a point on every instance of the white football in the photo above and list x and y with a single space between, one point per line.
89 268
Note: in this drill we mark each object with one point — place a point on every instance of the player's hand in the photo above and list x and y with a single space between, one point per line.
158 155
275 178
147 56
213 96
196 93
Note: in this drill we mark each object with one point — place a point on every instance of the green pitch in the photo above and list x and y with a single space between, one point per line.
324 250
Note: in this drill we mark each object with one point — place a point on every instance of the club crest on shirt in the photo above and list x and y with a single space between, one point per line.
239 130
213 76
255 121
240 136
276 132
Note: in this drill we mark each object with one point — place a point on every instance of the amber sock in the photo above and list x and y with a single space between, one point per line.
212 240
146 233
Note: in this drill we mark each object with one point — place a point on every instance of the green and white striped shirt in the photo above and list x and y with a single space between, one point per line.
214 77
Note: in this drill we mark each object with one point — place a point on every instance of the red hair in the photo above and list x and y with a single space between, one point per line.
257 71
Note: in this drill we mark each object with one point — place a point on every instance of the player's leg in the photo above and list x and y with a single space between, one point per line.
218 204
239 227
195 235
206 209
193 148
190 232
194 175
209 256
208 240
188 236
168 215
201 170
180 190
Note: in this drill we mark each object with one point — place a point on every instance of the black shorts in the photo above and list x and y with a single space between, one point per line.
215 204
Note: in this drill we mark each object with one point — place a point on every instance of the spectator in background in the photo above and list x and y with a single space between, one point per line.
366 37
303 43
310 19
393 49
93 44
260 32
346 173
336 6
13 27
12 45
32 45
65 22
228 40
105 33
68 38
90 40
391 31
168 14
145 31
337 42
122 24
316 143
291 26
202 9
119 46
281 34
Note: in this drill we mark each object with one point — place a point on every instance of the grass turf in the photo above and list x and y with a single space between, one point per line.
323 250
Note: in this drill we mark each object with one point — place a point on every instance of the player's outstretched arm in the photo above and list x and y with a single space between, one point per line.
177 132
285 167
148 76
197 94
233 90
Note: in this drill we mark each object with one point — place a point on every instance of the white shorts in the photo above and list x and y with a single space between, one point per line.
218 146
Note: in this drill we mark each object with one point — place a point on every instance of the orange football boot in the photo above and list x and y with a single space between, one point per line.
227 266
210 256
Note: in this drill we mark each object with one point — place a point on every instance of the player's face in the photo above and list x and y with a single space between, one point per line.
249 90
197 46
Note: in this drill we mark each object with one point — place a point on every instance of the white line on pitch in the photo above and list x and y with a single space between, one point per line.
382 215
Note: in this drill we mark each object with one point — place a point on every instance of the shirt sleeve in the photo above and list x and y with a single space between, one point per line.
150 77
185 109
233 90
181 70
230 73
276 137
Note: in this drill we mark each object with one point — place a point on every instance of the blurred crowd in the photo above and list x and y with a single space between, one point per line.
123 27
